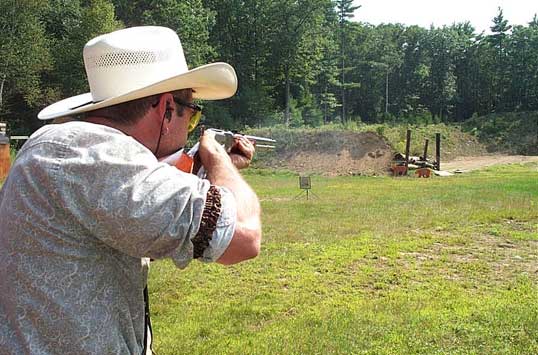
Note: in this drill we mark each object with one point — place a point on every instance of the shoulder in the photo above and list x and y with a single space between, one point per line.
81 149
77 132
84 139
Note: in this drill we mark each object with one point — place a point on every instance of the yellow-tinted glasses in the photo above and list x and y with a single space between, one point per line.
196 112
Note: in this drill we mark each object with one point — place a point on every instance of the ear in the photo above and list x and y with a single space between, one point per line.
163 108
168 113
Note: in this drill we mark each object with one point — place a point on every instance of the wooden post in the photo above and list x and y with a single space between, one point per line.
425 156
5 160
407 147
438 151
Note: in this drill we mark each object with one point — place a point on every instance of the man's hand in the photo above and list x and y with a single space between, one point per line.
242 152
246 240
211 152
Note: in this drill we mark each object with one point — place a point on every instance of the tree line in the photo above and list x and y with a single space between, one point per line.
299 62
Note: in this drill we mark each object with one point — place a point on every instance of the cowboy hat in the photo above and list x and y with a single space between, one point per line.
137 62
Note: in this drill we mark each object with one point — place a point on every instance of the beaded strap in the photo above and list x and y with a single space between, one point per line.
210 215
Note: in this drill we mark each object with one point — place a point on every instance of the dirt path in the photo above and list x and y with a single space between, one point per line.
473 163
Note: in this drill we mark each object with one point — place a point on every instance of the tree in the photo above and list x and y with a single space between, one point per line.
498 40
241 36
77 24
441 87
192 22
345 10
409 81
276 48
327 79
373 55
297 40
25 52
391 55
522 54
534 21
465 65
130 12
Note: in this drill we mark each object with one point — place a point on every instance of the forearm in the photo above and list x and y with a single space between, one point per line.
247 235
246 240
223 173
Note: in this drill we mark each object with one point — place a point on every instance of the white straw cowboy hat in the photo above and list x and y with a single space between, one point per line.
137 62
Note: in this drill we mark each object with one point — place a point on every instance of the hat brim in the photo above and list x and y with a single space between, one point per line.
214 81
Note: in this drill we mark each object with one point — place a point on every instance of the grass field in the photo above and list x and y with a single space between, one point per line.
376 265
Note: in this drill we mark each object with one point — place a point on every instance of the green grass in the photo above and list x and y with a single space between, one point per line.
376 265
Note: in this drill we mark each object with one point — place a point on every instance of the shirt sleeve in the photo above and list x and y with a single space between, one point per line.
115 189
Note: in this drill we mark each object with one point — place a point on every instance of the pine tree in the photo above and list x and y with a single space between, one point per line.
345 10
498 41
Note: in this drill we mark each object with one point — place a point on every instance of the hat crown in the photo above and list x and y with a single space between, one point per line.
137 62
132 58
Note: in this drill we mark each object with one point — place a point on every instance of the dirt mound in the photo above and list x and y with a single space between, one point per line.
368 151
334 153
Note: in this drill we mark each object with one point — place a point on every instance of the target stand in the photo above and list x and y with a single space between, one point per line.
305 184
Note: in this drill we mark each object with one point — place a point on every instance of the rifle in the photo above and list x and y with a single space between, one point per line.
227 138
186 161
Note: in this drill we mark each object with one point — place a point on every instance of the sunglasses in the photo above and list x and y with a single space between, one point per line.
196 115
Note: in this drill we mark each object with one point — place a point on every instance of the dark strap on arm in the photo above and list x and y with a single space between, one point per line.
208 224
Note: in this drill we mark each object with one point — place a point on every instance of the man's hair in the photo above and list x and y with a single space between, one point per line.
131 111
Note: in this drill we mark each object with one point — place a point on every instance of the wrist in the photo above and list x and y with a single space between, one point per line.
220 165
240 161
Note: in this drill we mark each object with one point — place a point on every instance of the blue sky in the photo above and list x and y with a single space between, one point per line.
444 12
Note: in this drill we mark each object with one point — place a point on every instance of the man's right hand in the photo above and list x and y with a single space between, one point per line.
212 153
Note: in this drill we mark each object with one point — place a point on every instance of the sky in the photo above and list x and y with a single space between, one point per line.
445 12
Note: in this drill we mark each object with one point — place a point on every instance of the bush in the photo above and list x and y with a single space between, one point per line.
507 132
313 116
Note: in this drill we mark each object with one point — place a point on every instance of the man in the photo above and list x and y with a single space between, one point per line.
87 201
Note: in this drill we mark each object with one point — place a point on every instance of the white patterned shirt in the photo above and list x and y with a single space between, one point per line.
82 205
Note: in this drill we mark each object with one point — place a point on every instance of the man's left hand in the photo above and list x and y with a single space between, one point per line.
242 152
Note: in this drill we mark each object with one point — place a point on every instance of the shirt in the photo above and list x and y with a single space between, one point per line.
82 206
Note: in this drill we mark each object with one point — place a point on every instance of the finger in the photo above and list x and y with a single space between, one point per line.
243 144
249 144
246 148
250 141
238 143
208 133
248 151
239 140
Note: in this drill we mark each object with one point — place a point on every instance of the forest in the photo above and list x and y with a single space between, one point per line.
299 62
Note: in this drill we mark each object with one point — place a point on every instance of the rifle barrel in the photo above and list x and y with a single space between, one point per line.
258 139
224 134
